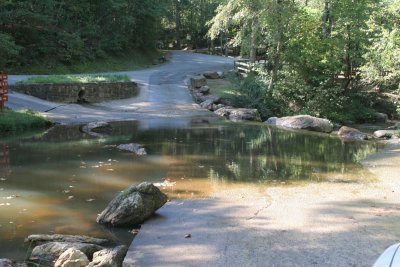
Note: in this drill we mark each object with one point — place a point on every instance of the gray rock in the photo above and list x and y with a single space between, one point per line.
384 133
352 134
208 104
66 238
381 117
239 114
97 129
198 81
211 75
10 263
215 99
303 122
133 206
271 120
204 90
53 250
221 74
109 257
138 149
72 258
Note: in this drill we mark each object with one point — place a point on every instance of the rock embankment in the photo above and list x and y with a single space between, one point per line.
201 93
133 206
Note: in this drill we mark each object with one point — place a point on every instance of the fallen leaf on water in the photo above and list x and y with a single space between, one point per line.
70 197
3 179
134 231
66 191
188 236
90 199
110 170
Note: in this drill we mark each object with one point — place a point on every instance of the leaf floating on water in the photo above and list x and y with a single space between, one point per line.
70 197
90 199
66 191
188 236
134 231
5 204
71 186
110 170
3 179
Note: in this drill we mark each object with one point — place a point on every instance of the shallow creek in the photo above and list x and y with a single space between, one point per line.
58 181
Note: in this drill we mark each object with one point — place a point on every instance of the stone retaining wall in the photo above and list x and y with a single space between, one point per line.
86 92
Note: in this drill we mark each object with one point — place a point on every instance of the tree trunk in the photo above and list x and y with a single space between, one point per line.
253 41
178 24
275 67
326 30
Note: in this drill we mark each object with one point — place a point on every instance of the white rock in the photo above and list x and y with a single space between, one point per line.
72 258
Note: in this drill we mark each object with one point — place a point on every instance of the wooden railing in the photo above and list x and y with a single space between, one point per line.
244 67
3 90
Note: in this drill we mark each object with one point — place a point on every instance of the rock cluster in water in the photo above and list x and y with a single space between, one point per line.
75 251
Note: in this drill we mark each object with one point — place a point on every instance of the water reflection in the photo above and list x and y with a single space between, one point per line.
59 181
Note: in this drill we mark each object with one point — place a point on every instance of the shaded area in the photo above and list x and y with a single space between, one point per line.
335 233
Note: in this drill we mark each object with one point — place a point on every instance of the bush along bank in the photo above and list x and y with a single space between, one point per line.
13 122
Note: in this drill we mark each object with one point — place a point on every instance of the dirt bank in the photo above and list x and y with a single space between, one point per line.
320 224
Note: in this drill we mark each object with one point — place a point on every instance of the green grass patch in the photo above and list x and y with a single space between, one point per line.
125 62
12 122
223 88
57 79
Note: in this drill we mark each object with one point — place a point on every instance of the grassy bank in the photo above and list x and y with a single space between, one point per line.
126 62
57 79
12 122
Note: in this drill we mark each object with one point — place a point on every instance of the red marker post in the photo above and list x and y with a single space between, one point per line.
3 90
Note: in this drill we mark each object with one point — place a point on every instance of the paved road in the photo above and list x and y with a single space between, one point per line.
163 95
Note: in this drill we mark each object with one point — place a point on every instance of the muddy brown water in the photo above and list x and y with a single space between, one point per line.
58 181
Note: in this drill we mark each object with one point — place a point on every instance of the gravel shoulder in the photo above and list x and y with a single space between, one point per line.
324 224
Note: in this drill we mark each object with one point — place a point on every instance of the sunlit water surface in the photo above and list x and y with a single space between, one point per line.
58 181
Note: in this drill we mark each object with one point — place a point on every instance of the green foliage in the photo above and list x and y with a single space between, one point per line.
71 32
133 60
252 93
76 79
382 57
12 122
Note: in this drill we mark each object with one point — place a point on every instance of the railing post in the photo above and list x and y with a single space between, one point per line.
3 90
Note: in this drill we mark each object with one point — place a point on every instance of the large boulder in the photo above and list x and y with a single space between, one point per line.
239 114
211 75
53 250
387 134
109 257
133 206
198 81
352 134
66 239
72 258
303 122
